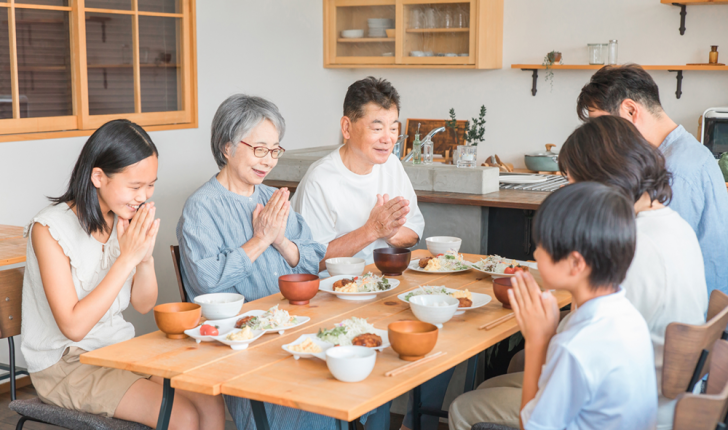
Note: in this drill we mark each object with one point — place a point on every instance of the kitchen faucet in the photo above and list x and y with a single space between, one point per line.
428 137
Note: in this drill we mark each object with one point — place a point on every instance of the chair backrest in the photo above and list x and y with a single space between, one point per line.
11 293
176 261
718 302
704 411
684 345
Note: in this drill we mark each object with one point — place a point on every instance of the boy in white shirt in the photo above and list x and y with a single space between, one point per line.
597 372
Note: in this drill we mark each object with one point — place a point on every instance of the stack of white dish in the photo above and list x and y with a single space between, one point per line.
378 26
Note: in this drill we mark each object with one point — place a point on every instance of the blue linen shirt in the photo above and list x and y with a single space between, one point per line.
699 196
215 223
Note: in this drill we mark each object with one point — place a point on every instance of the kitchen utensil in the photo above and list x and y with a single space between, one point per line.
547 161
409 366
497 322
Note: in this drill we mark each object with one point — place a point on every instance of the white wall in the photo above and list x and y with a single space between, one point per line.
273 48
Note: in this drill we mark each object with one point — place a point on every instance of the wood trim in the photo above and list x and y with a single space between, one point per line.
21 125
42 7
364 60
111 11
143 119
23 137
79 49
21 382
400 66
193 65
135 57
162 14
490 34
684 67
14 84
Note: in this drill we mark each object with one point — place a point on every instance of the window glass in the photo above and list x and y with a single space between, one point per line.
6 101
44 2
166 6
109 4
159 63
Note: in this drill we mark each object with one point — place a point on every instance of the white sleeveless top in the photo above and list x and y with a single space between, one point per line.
43 343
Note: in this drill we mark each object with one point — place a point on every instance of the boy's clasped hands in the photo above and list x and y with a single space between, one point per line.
537 312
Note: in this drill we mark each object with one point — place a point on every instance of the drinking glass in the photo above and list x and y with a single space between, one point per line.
417 18
431 18
596 52
447 20
460 18
467 156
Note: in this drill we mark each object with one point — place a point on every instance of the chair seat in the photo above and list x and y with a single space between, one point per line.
37 410
490 426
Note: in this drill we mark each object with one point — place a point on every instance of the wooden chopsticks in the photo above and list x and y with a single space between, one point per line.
409 366
500 320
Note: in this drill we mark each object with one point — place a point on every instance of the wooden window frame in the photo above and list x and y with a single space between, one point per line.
81 123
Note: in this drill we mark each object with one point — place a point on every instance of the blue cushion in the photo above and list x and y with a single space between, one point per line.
34 408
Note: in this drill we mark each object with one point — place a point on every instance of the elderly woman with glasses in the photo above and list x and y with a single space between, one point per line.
238 235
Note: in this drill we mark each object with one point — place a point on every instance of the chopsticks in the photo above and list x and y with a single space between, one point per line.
500 320
409 366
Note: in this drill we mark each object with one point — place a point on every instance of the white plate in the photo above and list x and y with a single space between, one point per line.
323 345
479 300
531 266
239 344
521 179
415 265
327 286
223 327
279 330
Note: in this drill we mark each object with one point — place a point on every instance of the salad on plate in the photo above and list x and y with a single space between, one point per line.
353 331
465 297
448 262
362 284
499 265
272 319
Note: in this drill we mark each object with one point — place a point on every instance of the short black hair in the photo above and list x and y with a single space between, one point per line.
369 90
610 150
611 85
594 220
114 146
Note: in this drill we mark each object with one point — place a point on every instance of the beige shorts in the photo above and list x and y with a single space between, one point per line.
83 387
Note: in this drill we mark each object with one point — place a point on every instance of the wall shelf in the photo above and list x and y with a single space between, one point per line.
438 30
679 69
682 4
366 40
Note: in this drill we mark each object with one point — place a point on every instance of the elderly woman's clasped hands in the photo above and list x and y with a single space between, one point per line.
269 221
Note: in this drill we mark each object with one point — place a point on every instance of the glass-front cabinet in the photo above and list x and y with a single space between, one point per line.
413 33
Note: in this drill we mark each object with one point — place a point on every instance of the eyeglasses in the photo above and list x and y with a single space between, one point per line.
262 151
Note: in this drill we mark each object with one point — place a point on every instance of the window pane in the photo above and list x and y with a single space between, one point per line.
109 4
166 6
6 105
44 2
160 69
109 58
44 63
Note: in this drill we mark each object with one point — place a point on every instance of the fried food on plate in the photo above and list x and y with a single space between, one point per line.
243 321
341 283
370 340
423 262
465 302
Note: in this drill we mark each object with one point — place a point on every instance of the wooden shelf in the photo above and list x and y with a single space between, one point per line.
683 4
366 40
679 69
438 30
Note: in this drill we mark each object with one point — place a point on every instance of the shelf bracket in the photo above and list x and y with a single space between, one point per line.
683 12
678 93
534 88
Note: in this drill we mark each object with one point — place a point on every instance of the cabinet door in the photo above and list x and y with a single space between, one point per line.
440 32
343 19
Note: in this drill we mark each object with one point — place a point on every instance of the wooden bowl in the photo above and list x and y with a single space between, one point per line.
500 289
174 318
298 288
412 339
392 261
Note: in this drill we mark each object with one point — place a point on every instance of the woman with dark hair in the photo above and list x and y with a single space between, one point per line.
666 280
89 256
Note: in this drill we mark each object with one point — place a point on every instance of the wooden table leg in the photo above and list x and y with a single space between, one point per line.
165 411
261 419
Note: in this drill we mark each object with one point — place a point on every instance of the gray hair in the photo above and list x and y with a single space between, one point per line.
236 118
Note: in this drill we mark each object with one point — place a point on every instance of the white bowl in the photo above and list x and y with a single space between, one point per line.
380 22
350 363
441 244
219 306
352 34
345 266
417 54
425 309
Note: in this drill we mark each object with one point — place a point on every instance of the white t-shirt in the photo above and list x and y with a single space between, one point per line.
599 372
335 201
666 283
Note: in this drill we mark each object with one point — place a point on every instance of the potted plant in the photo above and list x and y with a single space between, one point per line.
465 155
549 60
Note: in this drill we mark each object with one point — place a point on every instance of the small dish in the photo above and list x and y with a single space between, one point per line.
321 344
327 286
412 340
352 34
174 318
415 265
425 308
350 363
441 244
299 289
345 266
258 312
239 344
223 327
391 261
220 305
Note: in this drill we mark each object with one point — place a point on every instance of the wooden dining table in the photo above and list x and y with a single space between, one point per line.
12 245
264 372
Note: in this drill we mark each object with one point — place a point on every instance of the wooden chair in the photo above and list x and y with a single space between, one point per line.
706 411
176 261
11 287
687 348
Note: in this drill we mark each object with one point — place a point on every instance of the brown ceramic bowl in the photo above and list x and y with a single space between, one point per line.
174 318
500 289
412 339
299 288
392 261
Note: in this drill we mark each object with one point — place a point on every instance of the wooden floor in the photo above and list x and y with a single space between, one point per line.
9 418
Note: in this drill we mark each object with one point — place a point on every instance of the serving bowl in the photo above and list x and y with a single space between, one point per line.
350 363
441 244
174 318
412 339
500 289
425 308
352 34
392 261
345 266
219 306
298 288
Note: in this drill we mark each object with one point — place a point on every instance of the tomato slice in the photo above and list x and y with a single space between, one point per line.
208 330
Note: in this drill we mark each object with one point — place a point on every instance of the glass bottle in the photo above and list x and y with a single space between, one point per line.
427 150
713 56
417 150
613 51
